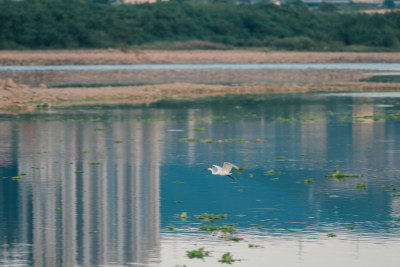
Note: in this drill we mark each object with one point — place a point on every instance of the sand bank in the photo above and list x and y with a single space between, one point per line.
28 99
111 56
17 97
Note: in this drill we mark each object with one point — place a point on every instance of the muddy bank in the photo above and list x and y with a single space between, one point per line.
19 99
85 57
23 91
60 78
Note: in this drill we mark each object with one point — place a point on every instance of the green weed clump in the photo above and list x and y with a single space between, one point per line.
199 129
236 239
224 228
197 253
337 175
211 217
95 163
270 172
183 216
227 258
362 185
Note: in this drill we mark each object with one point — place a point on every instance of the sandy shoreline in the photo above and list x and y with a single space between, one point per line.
17 100
15 97
111 56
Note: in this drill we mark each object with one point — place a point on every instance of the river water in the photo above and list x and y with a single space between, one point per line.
109 186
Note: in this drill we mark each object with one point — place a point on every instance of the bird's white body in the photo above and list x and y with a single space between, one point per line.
224 171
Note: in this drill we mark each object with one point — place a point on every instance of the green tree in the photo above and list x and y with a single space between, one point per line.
389 4
327 7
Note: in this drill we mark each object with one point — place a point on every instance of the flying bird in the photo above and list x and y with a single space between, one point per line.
224 171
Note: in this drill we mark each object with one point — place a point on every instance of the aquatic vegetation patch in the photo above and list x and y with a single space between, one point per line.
309 181
219 117
235 239
78 171
382 79
362 185
298 118
190 140
211 217
269 172
230 228
331 235
209 140
198 140
37 168
349 227
183 216
197 253
383 115
171 228
95 163
337 175
199 129
227 258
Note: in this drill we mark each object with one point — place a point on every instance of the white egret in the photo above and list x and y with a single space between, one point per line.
224 171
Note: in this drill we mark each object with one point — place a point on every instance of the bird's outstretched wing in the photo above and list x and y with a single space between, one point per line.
227 167
215 169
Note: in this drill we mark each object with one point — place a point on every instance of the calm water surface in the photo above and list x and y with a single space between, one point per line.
104 186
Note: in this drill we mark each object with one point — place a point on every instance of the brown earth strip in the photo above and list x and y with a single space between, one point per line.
14 100
16 97
111 56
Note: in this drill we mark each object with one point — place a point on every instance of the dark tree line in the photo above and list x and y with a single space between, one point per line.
45 24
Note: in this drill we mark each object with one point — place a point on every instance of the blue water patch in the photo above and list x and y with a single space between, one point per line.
124 185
